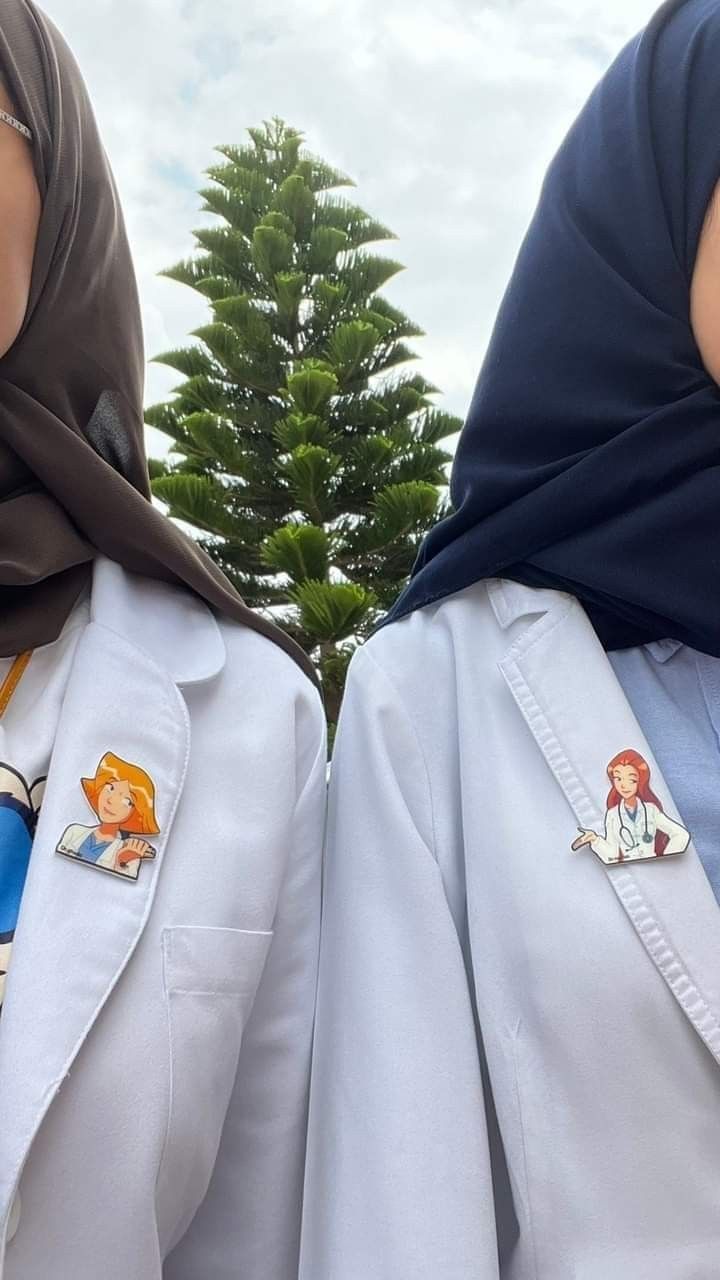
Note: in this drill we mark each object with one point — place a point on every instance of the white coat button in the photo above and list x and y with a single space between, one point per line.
14 1219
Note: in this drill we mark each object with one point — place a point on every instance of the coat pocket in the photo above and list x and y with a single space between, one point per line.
210 978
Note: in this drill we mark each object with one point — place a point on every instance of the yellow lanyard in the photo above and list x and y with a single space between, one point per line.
13 678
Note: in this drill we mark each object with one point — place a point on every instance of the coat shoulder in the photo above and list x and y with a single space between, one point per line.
423 651
270 685
250 655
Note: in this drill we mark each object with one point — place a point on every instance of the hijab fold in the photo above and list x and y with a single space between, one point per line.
73 470
590 459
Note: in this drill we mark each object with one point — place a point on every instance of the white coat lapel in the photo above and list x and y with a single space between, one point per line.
78 927
575 707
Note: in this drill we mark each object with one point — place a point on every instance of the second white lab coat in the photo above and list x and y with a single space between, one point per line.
517 1057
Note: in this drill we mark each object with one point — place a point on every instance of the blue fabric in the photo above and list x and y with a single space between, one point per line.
674 692
590 457
17 825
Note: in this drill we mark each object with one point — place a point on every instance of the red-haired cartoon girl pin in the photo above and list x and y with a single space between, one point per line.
635 824
122 796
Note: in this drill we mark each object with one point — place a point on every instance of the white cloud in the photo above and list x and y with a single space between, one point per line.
445 112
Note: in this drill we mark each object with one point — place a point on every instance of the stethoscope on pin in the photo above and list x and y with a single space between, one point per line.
626 834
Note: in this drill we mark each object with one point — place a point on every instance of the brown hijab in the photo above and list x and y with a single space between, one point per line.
73 471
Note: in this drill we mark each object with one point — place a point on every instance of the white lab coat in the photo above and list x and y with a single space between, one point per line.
517 1061
631 836
155 1035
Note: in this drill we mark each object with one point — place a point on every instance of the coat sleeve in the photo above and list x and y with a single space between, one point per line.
398 1180
607 847
248 1226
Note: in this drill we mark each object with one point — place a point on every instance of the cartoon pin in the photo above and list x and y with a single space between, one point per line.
122 797
636 826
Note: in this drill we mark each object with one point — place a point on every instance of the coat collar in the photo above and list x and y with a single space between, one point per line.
172 626
511 600
575 708
79 926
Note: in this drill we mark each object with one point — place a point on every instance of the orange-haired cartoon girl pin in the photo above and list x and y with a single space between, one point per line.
122 796
635 824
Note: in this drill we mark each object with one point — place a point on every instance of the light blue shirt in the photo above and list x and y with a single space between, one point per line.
675 695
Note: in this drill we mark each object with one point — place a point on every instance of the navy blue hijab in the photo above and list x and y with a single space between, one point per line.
590 460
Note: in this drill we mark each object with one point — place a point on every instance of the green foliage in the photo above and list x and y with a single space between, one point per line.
331 611
307 460
301 551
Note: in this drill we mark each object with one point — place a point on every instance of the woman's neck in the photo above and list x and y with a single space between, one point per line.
108 830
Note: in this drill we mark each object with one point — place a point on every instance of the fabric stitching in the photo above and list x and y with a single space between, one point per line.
166 945
660 947
542 729
213 992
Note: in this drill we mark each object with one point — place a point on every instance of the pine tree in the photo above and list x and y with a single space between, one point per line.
305 459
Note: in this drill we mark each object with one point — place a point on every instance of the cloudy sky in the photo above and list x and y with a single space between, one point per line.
445 113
